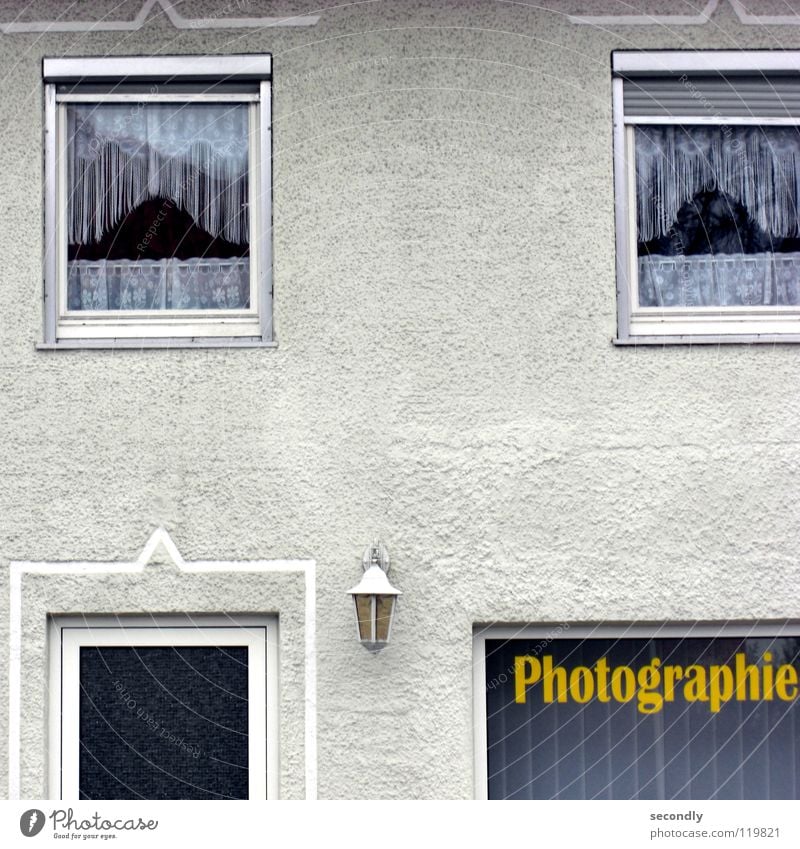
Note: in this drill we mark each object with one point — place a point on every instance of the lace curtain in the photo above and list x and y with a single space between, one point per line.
757 166
724 280
159 285
121 154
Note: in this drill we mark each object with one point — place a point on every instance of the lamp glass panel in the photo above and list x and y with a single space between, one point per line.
383 617
364 616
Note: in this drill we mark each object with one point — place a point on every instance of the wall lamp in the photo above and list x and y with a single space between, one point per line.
374 599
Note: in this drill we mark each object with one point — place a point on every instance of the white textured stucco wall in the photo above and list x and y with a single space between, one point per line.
444 305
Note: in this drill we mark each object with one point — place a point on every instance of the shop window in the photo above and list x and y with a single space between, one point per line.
158 201
707 162
162 708
671 712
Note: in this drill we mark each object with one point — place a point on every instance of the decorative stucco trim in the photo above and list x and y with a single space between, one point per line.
702 17
649 20
159 537
175 17
763 20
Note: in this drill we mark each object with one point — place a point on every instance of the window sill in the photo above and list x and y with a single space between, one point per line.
711 339
153 343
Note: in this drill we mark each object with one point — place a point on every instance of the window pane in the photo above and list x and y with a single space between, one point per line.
364 614
615 734
717 216
157 212
383 616
164 723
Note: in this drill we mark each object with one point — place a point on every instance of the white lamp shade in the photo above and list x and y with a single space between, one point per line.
374 599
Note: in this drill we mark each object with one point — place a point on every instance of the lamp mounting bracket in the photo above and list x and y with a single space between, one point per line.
375 554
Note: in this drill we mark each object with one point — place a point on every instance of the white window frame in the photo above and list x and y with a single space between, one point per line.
588 630
159 328
68 634
700 325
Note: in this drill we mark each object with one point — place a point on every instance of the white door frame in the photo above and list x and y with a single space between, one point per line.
68 634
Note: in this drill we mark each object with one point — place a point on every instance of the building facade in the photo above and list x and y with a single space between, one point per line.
463 328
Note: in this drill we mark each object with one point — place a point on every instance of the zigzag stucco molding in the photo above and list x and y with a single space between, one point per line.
648 20
160 538
175 17
702 17
763 20
219 22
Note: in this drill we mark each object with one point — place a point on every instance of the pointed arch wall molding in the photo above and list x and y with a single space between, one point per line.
219 21
702 17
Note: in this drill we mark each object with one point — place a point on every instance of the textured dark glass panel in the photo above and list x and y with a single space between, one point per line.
611 750
164 723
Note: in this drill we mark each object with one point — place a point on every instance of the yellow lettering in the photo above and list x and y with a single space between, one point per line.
649 678
720 686
550 673
623 693
654 684
521 679
581 693
694 690
672 674
746 674
768 672
786 678
602 680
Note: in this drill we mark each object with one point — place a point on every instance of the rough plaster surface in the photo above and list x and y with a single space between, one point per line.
444 305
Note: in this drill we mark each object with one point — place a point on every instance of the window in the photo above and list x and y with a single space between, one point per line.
162 708
158 213
686 711
707 173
